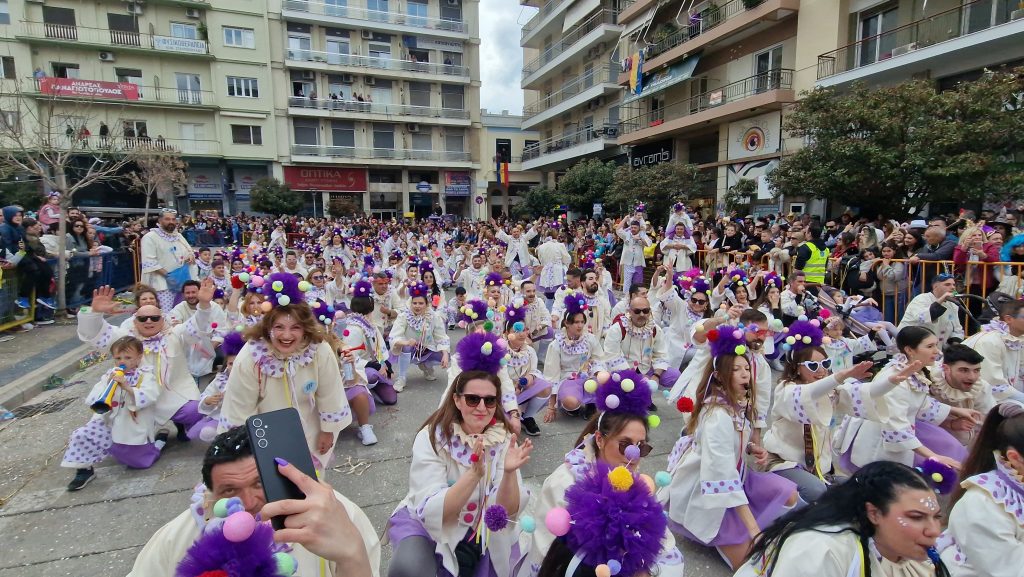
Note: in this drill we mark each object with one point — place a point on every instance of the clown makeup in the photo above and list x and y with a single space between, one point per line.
908 527
286 334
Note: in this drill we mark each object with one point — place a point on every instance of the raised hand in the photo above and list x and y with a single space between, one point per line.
206 290
517 454
906 372
103 300
860 371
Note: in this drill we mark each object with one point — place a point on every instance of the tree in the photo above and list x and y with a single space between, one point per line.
24 194
539 201
585 183
740 194
658 186
344 206
160 173
46 136
271 196
897 148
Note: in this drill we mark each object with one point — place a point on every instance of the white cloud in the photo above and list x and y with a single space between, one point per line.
501 58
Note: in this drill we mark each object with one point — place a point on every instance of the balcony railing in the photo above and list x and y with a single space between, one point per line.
771 80
377 108
378 62
548 8
113 38
342 11
701 22
954 23
146 94
120 144
605 130
571 89
573 36
381 153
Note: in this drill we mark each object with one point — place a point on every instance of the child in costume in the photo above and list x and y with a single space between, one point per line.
213 395
532 389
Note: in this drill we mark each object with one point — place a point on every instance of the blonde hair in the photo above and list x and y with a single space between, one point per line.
965 238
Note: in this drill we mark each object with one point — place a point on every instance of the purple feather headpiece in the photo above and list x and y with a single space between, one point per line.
515 314
494 279
684 280
474 310
212 552
634 401
233 342
362 288
611 524
323 312
737 278
282 289
419 290
426 266
941 477
727 340
678 207
481 352
773 278
575 303
802 334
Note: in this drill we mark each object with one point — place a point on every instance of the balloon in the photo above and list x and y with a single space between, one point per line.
557 521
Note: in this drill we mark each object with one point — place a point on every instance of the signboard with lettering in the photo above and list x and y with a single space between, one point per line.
245 179
457 183
651 154
325 178
204 183
170 44
424 43
88 88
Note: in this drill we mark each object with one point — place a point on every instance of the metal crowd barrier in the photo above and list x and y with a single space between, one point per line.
10 315
119 269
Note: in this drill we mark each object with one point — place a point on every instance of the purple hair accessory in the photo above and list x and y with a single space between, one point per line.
233 342
218 294
474 310
724 341
631 390
942 478
362 288
494 279
774 279
481 352
612 524
426 266
496 518
288 287
213 551
803 334
419 290
575 303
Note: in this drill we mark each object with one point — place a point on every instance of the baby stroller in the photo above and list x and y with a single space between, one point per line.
862 317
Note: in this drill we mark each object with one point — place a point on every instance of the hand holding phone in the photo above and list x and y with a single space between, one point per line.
279 435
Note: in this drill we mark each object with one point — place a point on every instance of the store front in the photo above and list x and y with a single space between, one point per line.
321 184
205 189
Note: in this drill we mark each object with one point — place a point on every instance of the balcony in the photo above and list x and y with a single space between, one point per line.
541 20
964 38
577 92
563 150
766 91
120 93
363 110
585 35
319 153
332 61
714 25
322 13
105 39
118 144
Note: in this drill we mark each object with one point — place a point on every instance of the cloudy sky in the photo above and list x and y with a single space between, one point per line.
501 58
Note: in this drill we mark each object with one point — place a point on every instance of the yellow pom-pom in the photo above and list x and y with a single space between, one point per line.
627 385
653 421
620 478
741 349
937 477
807 340
590 386
790 340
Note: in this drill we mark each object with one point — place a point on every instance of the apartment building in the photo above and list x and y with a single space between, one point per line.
570 71
356 98
504 181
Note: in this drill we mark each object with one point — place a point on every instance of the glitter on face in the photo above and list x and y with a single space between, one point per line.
930 504
902 522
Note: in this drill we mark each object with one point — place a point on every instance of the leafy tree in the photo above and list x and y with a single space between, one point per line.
587 182
24 194
537 202
740 194
897 148
160 173
271 196
345 206
658 186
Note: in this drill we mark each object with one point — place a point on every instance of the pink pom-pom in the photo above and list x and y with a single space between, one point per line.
557 521
816 322
257 281
239 526
345 333
825 313
737 334
213 325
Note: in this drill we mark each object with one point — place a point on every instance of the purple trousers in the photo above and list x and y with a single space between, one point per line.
382 387
205 429
353 392
91 443
402 525
668 377
187 415
573 388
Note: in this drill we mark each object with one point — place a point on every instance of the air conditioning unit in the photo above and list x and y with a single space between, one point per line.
347 79
367 34
369 81
107 57
308 75
900 50
134 8
412 127
611 131
193 13
452 2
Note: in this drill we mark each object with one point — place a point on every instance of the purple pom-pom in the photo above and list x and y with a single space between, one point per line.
726 342
212 551
805 329
478 307
496 518
471 358
233 342
574 303
289 288
634 402
941 477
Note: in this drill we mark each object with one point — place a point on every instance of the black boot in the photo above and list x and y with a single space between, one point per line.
182 433
82 478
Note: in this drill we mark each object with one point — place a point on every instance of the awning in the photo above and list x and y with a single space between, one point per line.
658 81
639 22
576 12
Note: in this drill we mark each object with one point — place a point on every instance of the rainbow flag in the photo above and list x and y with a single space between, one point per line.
502 170
636 73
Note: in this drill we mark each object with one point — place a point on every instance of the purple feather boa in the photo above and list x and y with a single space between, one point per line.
253 557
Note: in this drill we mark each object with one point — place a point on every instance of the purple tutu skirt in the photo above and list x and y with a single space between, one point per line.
767 494
135 456
938 440
195 432
574 388
539 385
426 356
357 390
188 414
403 525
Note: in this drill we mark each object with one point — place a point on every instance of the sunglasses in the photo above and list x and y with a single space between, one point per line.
473 400
318 277
148 318
645 449
641 311
813 365
699 301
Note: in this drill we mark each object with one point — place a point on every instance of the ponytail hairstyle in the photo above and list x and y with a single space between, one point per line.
878 483
1003 429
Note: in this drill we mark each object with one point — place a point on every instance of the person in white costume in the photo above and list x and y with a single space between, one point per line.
934 310
689 306
1001 342
517 255
201 352
634 240
555 261
418 337
677 248
165 251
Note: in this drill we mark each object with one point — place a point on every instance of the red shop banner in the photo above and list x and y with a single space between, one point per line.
325 178
88 88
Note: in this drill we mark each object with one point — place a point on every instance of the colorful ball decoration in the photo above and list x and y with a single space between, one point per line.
557 521
632 453
620 478
627 385
653 421
612 401
662 478
590 386
239 526
527 523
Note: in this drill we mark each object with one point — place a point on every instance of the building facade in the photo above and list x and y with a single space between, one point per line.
375 102
504 181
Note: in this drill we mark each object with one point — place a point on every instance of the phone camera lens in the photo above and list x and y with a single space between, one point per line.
262 443
257 422
261 433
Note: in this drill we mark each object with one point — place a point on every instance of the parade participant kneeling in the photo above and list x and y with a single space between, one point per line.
464 461
532 389
882 522
123 425
616 437
985 536
328 535
574 356
213 395
357 390
638 343
164 349
366 343
286 363
484 351
418 337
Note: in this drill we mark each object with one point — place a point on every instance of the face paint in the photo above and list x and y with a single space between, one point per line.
903 522
931 504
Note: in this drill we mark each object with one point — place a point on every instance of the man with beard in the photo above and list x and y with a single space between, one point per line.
538 320
599 311
164 251
200 354
573 283
961 385
638 343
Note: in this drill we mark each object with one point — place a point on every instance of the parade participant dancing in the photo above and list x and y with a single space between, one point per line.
167 259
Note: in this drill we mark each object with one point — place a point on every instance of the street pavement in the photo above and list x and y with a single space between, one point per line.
46 531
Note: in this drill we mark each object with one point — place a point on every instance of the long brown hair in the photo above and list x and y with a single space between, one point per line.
448 414
722 365
791 370
611 424
998 433
302 315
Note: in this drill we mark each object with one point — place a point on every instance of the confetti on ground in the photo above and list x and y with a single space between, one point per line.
348 467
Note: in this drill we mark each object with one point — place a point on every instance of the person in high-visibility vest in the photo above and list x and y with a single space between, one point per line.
812 256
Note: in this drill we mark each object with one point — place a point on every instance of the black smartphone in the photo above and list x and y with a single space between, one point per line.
279 434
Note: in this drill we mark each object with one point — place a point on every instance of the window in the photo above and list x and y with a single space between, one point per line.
246 134
239 37
299 47
189 90
419 55
381 91
192 131
503 149
64 70
451 58
10 121
133 129
131 76
5 12
335 7
377 9
419 94
452 97
184 30
876 44
306 131
766 67
7 67
454 140
417 11
343 134
245 87
124 29
378 50
451 13
528 144
986 13
337 51
384 136
422 140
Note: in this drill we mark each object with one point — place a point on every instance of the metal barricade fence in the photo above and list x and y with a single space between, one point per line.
117 269
207 238
10 315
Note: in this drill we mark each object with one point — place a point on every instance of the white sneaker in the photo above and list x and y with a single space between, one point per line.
428 373
399 385
366 435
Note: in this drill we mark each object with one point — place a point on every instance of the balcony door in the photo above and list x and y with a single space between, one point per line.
189 91
875 42
337 50
193 138
299 47
766 69
984 14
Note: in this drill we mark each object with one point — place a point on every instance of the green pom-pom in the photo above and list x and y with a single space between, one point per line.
488 326
741 349
662 478
285 564
277 286
304 286
220 509
654 421
590 386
